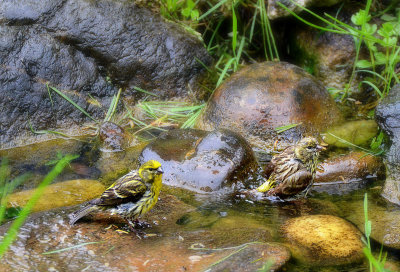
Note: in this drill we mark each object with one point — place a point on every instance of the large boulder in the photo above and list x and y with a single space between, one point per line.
135 46
87 49
387 115
30 60
203 161
264 96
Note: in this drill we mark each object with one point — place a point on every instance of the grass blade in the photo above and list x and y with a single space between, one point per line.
71 247
144 91
211 10
73 103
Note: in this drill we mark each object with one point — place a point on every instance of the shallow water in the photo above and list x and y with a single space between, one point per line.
208 220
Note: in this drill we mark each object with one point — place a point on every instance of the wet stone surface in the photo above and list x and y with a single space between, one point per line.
358 133
203 161
60 194
135 46
384 219
253 257
387 115
75 45
168 247
113 137
30 60
328 56
323 240
264 96
342 174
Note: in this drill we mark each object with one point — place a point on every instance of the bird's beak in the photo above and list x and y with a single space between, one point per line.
322 146
160 170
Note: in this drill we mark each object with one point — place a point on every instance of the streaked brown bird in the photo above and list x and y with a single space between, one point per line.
292 171
130 196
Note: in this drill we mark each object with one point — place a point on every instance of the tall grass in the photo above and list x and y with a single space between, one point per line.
6 188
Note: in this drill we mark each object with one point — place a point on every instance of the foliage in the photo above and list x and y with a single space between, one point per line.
8 187
180 9
381 41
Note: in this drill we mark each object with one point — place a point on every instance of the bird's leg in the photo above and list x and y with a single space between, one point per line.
138 233
141 224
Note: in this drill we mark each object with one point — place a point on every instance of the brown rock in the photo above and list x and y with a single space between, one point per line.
263 96
352 167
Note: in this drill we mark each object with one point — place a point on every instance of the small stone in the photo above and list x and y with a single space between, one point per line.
223 214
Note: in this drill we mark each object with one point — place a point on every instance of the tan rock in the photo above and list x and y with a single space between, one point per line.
60 194
323 240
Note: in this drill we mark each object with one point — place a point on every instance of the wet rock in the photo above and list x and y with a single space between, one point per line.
358 133
135 46
264 96
384 220
275 11
225 231
254 257
328 56
307 206
203 161
113 165
113 137
323 240
387 115
98 246
60 194
348 172
30 60
42 152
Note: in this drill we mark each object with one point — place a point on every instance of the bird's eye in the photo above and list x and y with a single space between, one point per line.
310 147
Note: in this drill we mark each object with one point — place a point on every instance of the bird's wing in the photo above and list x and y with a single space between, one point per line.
285 168
293 184
128 188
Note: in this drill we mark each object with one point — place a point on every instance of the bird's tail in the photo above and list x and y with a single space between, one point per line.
266 186
88 208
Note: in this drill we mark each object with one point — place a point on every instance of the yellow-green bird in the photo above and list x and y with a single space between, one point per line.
293 170
130 196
